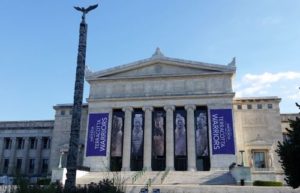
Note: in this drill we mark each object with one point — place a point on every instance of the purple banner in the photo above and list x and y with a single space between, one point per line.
222 131
97 135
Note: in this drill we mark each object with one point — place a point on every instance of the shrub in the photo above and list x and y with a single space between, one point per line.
44 181
266 183
104 186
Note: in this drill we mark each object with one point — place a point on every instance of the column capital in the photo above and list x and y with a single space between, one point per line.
169 107
190 106
147 108
130 109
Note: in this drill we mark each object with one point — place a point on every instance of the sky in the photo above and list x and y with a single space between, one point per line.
39 42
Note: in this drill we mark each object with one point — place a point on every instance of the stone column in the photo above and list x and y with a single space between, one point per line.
127 139
38 156
191 147
169 138
12 157
25 157
148 138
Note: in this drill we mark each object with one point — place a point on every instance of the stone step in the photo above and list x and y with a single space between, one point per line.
173 177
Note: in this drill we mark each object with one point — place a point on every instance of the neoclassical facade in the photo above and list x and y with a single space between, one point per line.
163 114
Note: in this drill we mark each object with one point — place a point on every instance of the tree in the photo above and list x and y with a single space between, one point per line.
289 153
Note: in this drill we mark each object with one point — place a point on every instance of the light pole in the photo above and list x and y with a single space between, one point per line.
70 183
242 152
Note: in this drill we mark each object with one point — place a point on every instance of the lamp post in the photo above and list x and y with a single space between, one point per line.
70 183
242 152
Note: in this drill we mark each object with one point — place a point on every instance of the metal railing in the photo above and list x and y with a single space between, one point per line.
164 176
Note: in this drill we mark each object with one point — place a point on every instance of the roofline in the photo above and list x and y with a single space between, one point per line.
27 121
148 61
67 105
257 98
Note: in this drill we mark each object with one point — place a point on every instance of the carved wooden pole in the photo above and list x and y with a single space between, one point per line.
70 183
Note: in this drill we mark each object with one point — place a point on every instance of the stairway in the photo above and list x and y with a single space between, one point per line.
200 177
173 178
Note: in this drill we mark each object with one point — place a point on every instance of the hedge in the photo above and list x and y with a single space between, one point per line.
267 183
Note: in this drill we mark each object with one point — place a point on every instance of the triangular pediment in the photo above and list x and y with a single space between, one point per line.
160 66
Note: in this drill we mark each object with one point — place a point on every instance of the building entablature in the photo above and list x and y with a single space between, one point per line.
43 124
267 99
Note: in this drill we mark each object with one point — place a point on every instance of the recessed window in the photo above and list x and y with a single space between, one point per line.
5 166
270 106
7 142
33 142
259 106
46 143
249 106
239 107
45 163
285 137
20 143
62 112
259 159
31 165
19 164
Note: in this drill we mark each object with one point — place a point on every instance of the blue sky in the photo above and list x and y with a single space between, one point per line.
39 45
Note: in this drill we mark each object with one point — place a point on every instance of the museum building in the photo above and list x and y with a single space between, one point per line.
156 114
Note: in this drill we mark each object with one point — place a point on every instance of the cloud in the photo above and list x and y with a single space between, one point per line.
285 85
267 83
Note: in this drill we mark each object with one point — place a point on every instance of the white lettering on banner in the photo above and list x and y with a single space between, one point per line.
97 138
103 134
92 134
222 131
215 129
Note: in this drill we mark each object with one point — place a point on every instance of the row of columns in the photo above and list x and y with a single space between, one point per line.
169 137
25 155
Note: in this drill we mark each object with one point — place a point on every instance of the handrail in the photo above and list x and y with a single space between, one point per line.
137 175
164 175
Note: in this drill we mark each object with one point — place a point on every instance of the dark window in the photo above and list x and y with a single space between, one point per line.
31 165
7 142
19 164
5 166
285 137
45 164
239 107
249 106
33 142
62 112
259 106
270 106
259 159
20 143
46 143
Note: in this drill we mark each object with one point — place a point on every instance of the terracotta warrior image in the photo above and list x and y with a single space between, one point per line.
117 136
158 135
180 136
201 135
137 135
